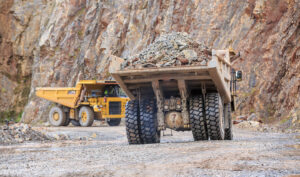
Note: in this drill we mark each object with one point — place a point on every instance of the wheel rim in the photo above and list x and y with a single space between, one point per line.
56 116
83 117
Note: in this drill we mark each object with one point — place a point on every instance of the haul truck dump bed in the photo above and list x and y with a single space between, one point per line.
88 100
197 98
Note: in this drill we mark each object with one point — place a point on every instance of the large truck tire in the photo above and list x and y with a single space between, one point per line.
57 116
149 124
113 122
132 122
228 130
86 116
197 118
67 122
214 116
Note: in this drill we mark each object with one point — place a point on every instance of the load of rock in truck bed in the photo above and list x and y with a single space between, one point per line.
173 49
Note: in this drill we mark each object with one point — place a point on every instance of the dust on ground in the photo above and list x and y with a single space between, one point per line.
104 151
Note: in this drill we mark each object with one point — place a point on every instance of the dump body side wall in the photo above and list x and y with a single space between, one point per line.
64 96
216 73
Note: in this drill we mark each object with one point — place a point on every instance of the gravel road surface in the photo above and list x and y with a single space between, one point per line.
104 151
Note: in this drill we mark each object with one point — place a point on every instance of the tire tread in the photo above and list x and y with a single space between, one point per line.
148 116
212 109
197 118
132 122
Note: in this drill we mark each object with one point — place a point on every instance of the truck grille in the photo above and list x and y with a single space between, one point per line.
114 108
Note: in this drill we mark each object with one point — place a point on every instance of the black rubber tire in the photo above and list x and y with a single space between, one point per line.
113 122
197 118
214 116
149 124
228 131
67 122
90 116
132 122
75 123
62 116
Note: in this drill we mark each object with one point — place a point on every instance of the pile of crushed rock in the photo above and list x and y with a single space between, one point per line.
19 133
173 49
253 122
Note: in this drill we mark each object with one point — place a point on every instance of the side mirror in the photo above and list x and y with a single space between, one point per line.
239 75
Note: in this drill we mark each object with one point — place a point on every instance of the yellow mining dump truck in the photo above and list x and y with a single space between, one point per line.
183 98
88 100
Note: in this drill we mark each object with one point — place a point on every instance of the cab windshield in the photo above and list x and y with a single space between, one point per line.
113 91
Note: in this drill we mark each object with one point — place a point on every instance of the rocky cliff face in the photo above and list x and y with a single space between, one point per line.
56 43
19 30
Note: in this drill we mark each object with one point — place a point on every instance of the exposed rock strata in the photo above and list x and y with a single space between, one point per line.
55 43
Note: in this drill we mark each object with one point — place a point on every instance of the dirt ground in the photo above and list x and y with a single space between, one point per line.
104 151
